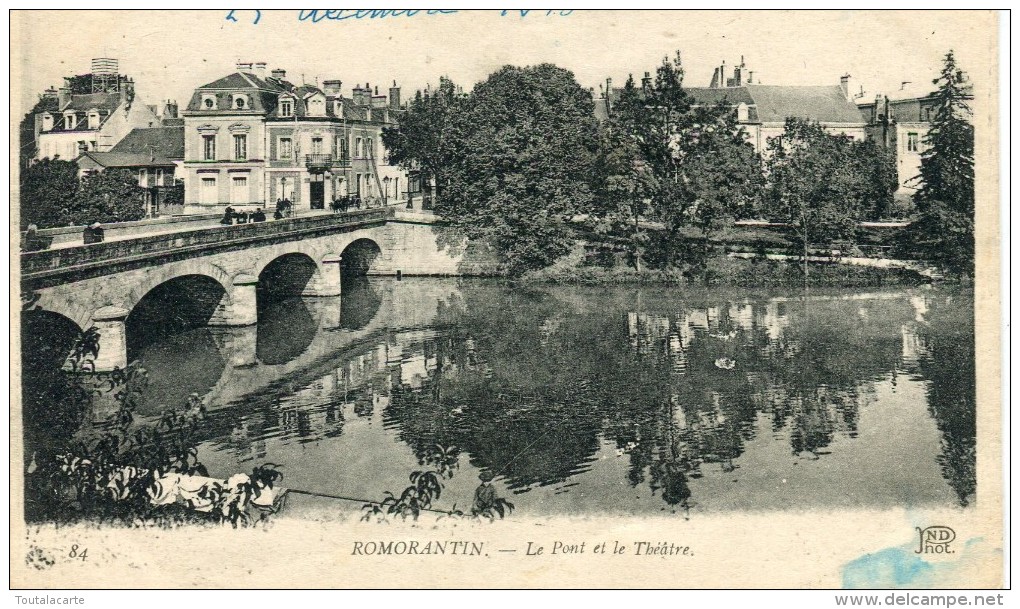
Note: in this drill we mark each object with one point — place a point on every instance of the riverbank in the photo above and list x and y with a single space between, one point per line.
737 272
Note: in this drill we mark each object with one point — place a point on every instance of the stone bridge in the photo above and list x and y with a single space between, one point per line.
217 276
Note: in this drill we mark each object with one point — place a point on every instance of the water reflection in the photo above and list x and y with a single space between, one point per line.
609 400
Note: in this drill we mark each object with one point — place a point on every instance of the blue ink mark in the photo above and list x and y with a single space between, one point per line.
231 17
524 13
317 15
889 568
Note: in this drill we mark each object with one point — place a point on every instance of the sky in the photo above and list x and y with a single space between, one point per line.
170 53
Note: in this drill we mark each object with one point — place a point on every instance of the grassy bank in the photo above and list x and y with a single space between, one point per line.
732 272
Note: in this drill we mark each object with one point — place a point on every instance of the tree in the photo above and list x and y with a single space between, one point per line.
108 196
701 169
526 144
421 141
943 232
48 192
824 185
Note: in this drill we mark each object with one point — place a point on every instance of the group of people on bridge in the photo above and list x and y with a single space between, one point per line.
345 203
242 217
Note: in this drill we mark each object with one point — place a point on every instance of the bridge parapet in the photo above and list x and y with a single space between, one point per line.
44 263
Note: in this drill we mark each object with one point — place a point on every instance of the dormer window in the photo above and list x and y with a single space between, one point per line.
47 122
93 119
209 102
286 107
742 112
240 102
317 106
70 120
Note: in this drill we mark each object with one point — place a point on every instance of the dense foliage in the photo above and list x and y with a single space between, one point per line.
943 231
53 196
824 185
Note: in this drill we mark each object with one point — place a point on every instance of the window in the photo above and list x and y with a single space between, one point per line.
159 177
286 107
286 148
316 145
239 103
47 122
209 195
208 147
209 102
357 183
93 120
239 190
369 150
70 120
359 148
912 142
143 177
240 147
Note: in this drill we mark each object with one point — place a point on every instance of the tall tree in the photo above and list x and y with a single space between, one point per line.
527 144
48 192
701 169
944 229
824 185
422 140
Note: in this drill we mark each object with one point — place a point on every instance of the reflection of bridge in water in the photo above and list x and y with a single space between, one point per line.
404 311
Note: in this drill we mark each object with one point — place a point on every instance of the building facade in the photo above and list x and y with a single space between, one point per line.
154 156
762 110
900 122
95 120
252 138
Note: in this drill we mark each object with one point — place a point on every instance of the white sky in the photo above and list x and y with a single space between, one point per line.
169 53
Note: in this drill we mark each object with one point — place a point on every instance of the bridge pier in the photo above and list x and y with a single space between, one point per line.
326 281
109 322
238 307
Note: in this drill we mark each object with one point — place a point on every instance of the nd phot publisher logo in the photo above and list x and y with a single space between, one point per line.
935 540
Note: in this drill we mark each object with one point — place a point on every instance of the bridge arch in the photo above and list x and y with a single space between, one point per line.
177 305
164 274
286 275
359 257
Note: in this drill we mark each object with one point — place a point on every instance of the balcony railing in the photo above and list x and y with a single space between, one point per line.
326 161
318 161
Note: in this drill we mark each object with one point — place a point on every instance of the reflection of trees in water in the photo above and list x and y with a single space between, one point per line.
947 361
527 383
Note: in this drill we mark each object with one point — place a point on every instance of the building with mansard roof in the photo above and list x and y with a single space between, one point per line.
762 110
253 137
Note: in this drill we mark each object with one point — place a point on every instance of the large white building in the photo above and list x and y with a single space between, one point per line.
253 137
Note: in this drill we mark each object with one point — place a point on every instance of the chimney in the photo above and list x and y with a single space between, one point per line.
50 93
646 81
750 77
332 87
903 85
170 109
715 78
279 74
722 74
844 84
127 92
63 97
362 96
878 108
244 66
260 69
395 96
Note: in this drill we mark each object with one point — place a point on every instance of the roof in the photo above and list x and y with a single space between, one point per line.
165 142
127 159
710 96
88 101
824 104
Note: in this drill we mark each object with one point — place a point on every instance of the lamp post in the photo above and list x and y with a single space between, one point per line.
386 190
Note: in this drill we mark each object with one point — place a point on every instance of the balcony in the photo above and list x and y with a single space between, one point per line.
318 162
322 162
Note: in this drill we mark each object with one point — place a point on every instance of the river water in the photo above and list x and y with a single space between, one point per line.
613 400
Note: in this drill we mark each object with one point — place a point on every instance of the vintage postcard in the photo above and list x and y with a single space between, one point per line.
505 299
